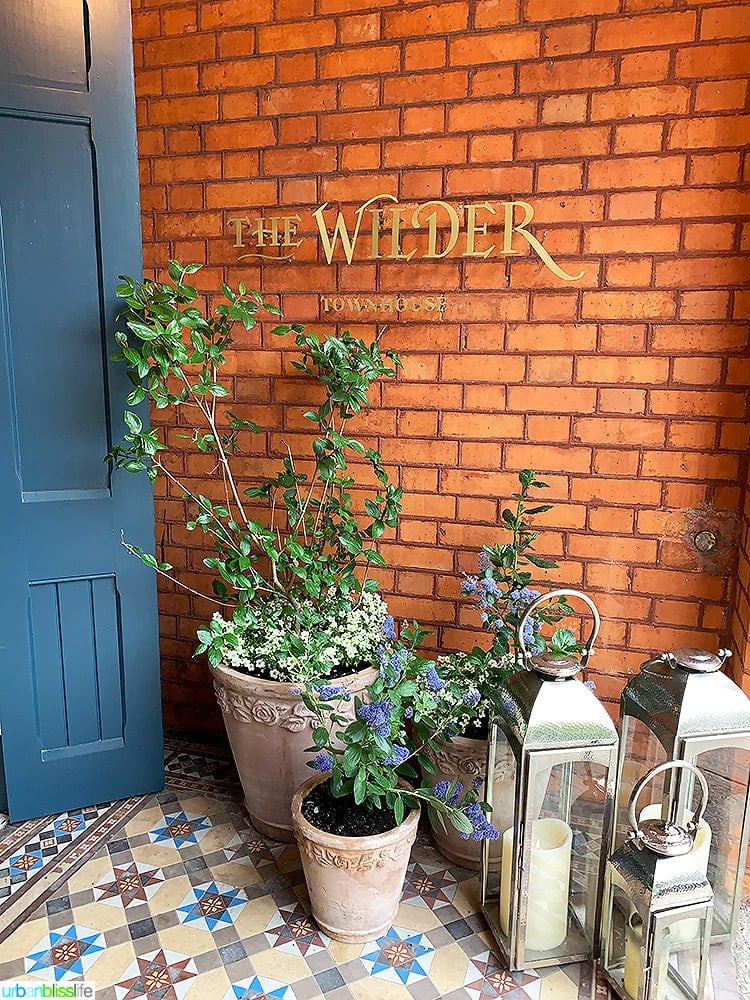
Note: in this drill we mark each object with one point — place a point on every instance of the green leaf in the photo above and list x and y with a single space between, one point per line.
374 558
360 787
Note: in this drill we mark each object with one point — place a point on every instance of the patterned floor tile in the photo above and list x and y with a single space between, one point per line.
400 956
180 829
292 930
259 988
128 885
429 885
65 955
487 978
160 974
211 906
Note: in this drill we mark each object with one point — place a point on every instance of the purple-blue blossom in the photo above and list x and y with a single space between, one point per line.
520 599
327 692
397 756
471 698
434 682
482 829
590 685
323 761
389 627
440 790
469 585
377 715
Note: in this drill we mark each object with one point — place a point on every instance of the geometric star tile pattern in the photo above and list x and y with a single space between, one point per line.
400 956
174 896
65 955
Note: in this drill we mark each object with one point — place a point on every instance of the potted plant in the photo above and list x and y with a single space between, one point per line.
355 820
295 605
501 592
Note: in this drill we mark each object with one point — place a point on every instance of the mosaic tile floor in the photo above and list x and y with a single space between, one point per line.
175 896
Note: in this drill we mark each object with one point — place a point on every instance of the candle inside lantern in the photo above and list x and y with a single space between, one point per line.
548 887
633 966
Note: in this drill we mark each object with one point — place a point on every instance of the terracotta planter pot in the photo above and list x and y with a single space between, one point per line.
355 883
466 759
269 729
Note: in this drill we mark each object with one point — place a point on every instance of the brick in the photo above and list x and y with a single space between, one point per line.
298 100
239 135
692 434
183 110
363 156
567 142
615 462
559 177
235 44
705 62
499 47
358 125
435 19
622 400
641 32
562 75
553 307
304 35
317 159
684 402
473 116
359 94
231 13
631 239
479 180
539 10
364 61
600 430
644 67
635 205
482 368
548 428
704 305
636 172
630 549
715 168
563 337
295 131
430 53
191 49
566 39
498 81
237 74
617 520
640 102
613 490
696 272
721 95
628 305
708 133
359 28
709 236
628 273
179 21
564 108
478 426
241 194
421 88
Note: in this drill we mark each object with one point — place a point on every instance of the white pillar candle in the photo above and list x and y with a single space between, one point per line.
549 884
633 966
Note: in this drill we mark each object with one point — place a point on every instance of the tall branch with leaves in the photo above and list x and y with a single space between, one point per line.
314 546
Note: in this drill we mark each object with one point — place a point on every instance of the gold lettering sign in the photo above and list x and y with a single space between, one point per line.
464 232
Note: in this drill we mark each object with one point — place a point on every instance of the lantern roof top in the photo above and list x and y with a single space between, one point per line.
656 883
684 694
543 714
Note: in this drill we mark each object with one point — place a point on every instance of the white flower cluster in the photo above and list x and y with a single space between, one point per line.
318 641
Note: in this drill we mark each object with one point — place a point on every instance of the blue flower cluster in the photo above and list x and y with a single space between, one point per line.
391 666
327 692
377 715
434 681
397 756
471 698
440 790
323 761
482 829
389 627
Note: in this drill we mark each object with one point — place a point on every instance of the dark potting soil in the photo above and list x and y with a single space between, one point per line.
343 816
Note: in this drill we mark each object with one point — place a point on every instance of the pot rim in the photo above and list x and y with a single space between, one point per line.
239 680
369 842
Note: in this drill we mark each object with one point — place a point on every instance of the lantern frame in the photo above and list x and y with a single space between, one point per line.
538 711
654 874
682 700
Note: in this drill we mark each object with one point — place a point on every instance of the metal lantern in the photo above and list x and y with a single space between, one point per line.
658 905
544 904
682 707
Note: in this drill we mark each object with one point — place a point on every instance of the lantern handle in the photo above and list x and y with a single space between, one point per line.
693 824
523 653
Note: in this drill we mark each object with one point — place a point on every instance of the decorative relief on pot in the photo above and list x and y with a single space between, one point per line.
363 862
245 708
472 762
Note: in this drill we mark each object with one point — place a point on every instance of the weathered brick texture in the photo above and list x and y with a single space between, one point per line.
624 123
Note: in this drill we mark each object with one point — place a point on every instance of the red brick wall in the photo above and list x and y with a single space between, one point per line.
623 123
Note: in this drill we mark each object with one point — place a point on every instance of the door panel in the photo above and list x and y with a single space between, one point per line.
79 667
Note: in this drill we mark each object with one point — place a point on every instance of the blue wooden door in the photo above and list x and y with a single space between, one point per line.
79 672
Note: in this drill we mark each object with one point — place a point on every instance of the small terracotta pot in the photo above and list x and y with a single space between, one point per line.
466 759
269 730
355 883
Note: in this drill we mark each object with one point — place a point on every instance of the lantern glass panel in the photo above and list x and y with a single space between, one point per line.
678 946
620 940
562 855
640 752
726 770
